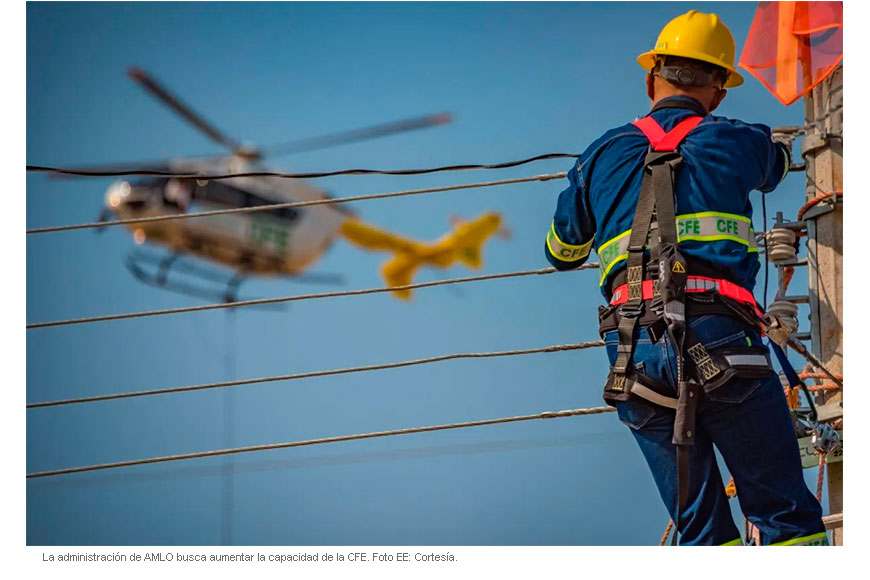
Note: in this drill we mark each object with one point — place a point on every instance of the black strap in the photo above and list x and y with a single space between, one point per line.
640 229
663 186
684 437
633 308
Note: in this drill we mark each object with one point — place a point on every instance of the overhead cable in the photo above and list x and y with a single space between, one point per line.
275 206
184 456
336 294
311 175
236 383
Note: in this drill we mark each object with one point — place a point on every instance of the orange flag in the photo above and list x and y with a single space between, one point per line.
793 46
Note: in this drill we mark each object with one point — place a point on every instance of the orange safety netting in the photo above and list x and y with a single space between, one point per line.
793 46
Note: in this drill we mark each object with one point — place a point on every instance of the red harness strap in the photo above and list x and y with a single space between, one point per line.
695 284
661 141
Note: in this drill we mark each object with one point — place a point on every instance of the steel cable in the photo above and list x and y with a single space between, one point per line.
337 294
308 375
310 175
544 415
275 206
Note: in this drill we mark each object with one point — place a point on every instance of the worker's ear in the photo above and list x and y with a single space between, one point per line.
717 98
651 87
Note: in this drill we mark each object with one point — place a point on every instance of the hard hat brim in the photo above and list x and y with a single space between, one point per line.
647 61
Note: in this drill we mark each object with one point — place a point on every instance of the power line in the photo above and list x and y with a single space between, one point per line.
313 175
236 383
337 294
275 206
544 415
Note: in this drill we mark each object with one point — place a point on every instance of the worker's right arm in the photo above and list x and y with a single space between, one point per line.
569 239
775 156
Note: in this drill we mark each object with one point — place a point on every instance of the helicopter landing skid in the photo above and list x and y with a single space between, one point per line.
208 283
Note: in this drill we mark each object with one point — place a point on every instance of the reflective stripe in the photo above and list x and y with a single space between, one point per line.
755 360
737 542
820 539
787 156
566 252
708 226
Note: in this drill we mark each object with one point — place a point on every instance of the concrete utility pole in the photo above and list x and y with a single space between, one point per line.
823 151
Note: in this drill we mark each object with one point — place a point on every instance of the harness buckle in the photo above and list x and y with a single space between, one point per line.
631 310
635 283
703 362
618 382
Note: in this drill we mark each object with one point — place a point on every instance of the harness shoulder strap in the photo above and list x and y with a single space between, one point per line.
666 141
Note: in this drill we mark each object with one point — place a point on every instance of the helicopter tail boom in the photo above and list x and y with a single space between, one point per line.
463 244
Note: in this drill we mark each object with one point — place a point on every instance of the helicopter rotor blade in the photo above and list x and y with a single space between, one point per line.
121 168
374 131
147 82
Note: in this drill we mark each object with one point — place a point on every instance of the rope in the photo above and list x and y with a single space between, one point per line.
787 275
348 370
337 294
544 415
823 387
811 375
820 483
819 197
667 533
274 206
315 175
731 489
791 397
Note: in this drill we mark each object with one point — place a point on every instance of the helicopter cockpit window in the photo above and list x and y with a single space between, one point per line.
229 196
218 192
285 213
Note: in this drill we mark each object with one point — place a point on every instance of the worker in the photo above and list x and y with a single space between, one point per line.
665 202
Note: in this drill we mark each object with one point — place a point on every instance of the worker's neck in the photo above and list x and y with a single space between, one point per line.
679 95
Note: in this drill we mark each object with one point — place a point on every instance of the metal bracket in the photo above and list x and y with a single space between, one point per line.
798 262
799 299
815 141
821 208
830 411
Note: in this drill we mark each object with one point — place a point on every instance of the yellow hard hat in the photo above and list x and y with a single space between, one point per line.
697 36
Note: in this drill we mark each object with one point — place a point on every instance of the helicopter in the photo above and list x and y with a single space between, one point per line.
275 242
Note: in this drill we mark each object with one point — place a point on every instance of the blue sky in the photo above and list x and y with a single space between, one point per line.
521 79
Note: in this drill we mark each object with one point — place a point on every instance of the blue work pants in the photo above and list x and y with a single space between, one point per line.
748 421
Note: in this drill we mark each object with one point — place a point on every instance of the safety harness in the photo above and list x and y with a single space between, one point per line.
658 293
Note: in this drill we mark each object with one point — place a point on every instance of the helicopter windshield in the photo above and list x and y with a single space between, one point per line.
229 196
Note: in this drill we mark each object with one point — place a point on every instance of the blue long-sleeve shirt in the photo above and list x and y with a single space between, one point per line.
723 160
